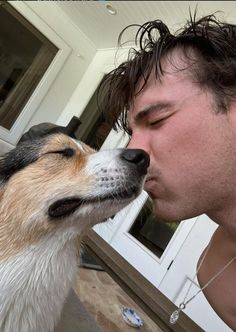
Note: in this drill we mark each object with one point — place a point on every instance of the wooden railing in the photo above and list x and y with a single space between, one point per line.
156 305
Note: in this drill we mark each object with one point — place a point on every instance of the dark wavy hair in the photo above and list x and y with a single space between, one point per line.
208 44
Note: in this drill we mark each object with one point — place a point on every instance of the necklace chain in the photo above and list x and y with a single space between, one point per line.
175 315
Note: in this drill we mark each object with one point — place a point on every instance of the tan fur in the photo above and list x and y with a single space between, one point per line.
50 173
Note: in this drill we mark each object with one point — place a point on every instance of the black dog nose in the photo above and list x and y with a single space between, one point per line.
138 157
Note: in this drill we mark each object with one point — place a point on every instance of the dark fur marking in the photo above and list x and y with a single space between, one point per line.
67 152
20 157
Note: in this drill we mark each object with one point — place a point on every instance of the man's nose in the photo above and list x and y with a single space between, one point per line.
139 141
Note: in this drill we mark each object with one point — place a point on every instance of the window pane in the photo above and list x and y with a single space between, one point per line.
151 231
25 55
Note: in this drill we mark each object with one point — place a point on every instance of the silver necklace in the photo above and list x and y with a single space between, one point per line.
175 315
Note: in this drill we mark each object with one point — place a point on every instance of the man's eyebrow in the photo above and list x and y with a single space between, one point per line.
149 110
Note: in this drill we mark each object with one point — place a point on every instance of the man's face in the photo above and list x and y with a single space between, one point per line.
191 146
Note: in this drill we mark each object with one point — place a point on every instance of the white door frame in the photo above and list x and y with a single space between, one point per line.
144 260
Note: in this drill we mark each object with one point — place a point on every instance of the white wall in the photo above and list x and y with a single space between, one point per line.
103 62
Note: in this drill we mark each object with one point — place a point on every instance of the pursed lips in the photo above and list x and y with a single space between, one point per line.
150 184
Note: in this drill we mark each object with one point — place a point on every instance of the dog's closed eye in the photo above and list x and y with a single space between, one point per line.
68 152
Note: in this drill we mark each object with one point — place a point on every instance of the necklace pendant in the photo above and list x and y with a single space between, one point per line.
174 316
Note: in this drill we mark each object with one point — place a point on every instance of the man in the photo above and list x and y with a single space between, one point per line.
176 96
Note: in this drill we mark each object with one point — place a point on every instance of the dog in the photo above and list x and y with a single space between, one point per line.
53 189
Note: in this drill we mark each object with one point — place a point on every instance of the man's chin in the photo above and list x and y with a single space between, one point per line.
164 214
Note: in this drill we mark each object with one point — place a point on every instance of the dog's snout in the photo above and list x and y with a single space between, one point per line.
138 157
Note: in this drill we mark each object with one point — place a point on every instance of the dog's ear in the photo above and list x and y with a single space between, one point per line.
46 128
39 131
18 158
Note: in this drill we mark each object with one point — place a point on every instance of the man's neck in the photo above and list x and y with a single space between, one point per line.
221 292
226 219
225 240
